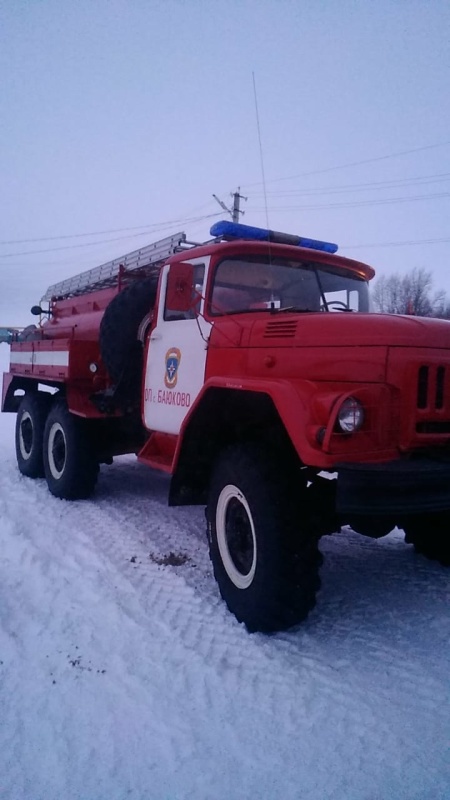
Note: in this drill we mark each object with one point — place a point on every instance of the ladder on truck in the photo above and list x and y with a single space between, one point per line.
152 255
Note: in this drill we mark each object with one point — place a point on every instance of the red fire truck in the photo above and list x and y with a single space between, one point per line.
250 369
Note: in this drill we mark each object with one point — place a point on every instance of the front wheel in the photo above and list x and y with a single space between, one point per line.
266 566
430 536
70 466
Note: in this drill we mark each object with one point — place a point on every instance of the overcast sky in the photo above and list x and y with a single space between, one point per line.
133 113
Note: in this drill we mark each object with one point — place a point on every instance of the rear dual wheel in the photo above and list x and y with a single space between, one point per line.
70 466
55 444
266 566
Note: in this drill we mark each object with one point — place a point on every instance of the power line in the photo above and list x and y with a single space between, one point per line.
441 177
102 241
352 164
394 244
146 228
156 226
78 235
357 203
67 247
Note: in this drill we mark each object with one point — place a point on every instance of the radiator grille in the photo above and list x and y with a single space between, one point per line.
431 388
422 387
440 378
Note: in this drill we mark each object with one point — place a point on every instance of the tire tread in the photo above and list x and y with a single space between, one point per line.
290 591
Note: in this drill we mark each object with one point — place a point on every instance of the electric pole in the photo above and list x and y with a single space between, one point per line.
235 211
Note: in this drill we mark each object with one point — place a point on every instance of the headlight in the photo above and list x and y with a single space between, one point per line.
350 416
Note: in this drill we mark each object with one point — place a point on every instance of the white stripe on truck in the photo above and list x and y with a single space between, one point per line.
47 358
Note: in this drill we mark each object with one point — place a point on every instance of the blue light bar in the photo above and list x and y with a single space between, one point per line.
234 230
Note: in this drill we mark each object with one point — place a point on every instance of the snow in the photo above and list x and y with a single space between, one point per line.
122 675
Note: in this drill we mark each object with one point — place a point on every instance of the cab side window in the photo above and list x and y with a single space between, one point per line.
199 277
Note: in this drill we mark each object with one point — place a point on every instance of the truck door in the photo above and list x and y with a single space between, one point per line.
176 359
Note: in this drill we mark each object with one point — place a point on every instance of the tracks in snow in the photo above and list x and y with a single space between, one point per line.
366 646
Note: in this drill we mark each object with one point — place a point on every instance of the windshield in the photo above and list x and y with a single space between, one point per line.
257 284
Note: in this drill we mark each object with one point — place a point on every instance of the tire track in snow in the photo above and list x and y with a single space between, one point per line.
185 609
129 514
332 674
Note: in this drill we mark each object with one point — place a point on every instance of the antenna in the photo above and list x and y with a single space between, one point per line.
260 150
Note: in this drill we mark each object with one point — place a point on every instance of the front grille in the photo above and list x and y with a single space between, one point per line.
422 387
440 378
431 387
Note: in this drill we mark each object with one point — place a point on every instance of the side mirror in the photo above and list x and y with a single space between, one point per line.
180 287
38 311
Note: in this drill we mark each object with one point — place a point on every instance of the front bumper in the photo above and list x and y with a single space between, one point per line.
397 487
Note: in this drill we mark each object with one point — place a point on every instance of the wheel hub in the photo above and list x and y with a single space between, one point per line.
236 536
26 435
57 450
238 532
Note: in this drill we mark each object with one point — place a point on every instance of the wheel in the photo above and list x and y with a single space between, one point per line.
30 422
70 465
121 351
430 536
266 570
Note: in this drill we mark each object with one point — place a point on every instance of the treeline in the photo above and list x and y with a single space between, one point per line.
412 293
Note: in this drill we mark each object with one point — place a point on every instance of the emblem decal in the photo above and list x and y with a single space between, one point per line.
173 358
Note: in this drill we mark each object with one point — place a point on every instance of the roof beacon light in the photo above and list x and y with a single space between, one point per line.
234 230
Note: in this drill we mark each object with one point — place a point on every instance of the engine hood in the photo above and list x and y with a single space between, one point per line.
349 329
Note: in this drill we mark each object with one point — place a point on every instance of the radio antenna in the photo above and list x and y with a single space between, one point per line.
260 150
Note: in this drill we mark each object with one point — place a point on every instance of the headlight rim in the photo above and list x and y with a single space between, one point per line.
354 409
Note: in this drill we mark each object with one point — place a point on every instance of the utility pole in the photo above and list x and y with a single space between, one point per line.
235 211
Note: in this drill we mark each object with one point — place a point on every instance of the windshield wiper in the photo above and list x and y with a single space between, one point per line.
295 310
273 310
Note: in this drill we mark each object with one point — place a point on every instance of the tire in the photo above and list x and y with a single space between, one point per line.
30 422
430 536
119 346
266 571
70 466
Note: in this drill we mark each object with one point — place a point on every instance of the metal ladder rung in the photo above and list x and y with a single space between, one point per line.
106 274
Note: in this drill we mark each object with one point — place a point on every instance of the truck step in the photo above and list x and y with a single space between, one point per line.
158 451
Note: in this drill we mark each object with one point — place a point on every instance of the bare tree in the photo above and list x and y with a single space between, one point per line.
410 294
442 309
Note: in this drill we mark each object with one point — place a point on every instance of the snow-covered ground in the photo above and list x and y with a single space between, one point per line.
123 677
